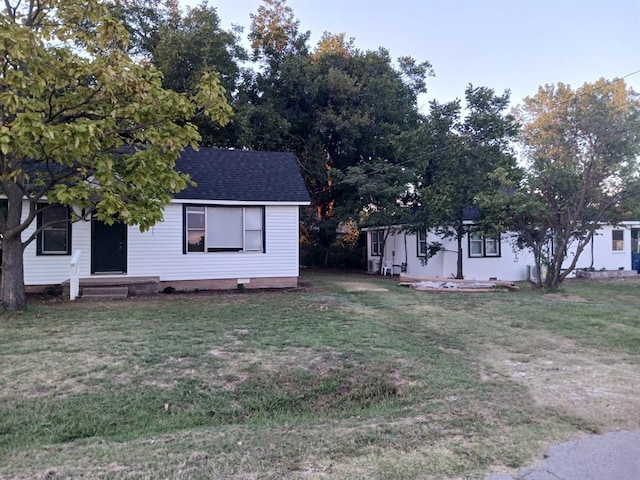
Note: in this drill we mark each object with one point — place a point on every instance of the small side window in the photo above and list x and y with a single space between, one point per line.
376 242
54 222
617 240
195 229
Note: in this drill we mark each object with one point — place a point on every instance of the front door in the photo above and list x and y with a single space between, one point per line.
108 247
635 249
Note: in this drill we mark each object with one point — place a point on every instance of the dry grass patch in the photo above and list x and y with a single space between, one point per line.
56 373
601 387
349 377
362 287
563 297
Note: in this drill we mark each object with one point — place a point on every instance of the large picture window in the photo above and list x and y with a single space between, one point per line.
484 245
224 229
54 223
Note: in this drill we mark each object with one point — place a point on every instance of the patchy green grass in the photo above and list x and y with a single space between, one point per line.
349 376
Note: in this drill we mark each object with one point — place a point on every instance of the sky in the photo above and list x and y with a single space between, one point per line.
502 44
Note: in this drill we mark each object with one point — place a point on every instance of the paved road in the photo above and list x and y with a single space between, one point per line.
612 456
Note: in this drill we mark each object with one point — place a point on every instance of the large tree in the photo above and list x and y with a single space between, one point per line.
183 46
83 125
381 194
335 106
461 157
582 150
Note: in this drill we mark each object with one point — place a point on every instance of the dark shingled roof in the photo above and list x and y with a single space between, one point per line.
242 175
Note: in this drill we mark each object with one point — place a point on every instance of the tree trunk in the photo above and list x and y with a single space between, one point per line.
459 274
12 292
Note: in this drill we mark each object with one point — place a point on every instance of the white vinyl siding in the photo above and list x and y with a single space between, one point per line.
54 269
159 252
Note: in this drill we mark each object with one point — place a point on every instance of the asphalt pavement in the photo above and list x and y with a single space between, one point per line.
611 456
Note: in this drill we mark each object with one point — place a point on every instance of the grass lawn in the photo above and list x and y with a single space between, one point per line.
348 376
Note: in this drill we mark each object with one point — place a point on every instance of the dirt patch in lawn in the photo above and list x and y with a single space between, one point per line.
362 287
602 388
235 360
563 298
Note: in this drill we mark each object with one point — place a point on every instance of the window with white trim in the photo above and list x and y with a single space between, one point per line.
223 229
617 240
484 245
377 237
422 244
54 237
635 240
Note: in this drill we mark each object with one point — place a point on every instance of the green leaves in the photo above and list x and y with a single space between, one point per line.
83 124
211 96
582 151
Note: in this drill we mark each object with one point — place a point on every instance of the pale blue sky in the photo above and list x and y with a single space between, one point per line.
515 44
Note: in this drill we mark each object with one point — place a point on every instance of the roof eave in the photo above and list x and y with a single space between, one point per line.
195 201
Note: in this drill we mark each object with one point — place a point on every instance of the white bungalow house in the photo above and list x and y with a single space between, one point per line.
239 225
492 257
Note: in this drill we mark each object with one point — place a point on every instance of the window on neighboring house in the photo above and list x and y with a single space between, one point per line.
422 244
54 223
224 229
484 245
635 240
617 240
377 237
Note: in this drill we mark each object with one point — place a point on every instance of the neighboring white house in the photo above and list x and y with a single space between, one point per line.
484 257
239 225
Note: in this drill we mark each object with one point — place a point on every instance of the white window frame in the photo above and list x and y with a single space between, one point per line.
251 235
485 244
376 242
422 243
617 244
195 210
46 226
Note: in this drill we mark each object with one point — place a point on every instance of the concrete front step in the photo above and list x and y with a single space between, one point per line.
105 292
134 285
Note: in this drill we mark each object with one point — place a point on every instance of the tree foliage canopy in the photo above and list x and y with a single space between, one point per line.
461 158
582 149
83 124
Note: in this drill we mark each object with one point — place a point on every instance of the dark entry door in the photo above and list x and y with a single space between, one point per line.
635 249
108 247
